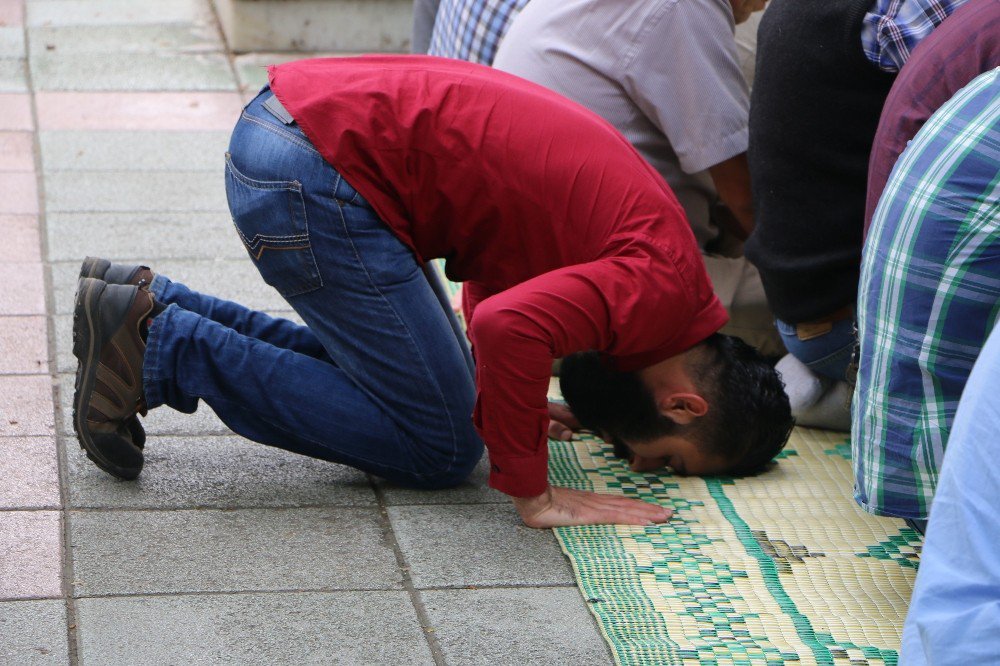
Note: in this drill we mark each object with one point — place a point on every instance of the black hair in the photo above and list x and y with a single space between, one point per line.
748 422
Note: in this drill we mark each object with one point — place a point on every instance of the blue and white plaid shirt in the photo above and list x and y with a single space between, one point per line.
472 29
893 28
928 297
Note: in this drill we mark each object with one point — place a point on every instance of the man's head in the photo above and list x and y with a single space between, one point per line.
718 408
742 9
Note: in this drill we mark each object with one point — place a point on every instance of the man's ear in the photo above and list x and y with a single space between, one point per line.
682 408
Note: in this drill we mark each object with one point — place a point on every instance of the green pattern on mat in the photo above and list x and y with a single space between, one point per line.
903 549
687 576
843 450
823 645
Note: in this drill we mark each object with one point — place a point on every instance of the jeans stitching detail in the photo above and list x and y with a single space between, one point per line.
293 187
288 185
308 239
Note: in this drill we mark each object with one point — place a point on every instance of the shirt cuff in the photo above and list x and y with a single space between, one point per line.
522 476
708 155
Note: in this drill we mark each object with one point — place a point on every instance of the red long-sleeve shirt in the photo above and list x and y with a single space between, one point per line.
566 238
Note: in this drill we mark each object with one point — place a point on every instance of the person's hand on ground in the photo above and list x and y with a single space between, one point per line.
562 423
561 507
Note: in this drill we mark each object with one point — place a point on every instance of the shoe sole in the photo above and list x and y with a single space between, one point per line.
87 340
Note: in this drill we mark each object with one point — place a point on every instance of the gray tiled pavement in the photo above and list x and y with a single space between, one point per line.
223 551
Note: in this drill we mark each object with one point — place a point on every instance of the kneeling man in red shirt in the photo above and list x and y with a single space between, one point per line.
345 176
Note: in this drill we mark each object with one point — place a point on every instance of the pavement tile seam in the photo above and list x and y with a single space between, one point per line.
413 594
498 586
68 575
152 72
221 508
303 590
232 593
153 38
41 13
31 597
74 512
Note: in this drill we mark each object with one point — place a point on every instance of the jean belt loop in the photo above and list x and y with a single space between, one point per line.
276 109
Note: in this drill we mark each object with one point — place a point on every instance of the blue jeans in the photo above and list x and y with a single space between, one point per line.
828 354
380 378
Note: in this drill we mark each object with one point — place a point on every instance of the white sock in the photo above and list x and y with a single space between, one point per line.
816 401
832 411
803 386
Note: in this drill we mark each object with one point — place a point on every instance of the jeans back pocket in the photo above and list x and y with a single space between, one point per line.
270 217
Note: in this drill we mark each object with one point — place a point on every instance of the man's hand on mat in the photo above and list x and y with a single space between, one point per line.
561 507
562 423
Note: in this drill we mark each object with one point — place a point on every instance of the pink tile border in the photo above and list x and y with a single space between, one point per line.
21 239
11 13
15 112
17 151
26 405
23 346
137 111
20 193
23 290
29 475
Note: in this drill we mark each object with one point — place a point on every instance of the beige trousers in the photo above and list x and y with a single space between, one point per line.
737 284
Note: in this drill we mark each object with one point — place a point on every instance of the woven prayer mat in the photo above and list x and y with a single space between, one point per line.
782 568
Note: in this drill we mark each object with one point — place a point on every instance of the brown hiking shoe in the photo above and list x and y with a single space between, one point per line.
108 343
138 275
102 269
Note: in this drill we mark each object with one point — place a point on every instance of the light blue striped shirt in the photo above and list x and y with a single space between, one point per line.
954 615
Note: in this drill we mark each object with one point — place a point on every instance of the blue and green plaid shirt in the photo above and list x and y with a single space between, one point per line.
472 29
893 28
928 299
